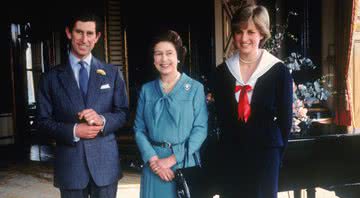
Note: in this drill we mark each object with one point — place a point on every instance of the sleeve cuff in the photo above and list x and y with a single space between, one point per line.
104 121
148 156
76 139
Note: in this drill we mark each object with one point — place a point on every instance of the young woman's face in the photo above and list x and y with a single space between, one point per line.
165 58
247 39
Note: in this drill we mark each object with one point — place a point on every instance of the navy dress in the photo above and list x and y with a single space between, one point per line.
251 152
174 117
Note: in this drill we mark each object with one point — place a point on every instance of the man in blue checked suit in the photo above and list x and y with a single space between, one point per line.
81 104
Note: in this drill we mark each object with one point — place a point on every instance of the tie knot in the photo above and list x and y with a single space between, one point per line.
246 88
82 63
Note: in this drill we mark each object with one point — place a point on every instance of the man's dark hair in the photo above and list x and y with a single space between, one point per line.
84 16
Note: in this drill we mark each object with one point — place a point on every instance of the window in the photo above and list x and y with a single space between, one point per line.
34 68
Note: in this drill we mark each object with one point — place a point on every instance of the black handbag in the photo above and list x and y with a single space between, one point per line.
188 180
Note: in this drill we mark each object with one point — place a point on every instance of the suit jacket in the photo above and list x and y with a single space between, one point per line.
59 101
271 109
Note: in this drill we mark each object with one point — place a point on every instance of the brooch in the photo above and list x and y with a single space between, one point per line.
101 72
187 86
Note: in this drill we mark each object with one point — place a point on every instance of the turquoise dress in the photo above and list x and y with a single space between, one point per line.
174 117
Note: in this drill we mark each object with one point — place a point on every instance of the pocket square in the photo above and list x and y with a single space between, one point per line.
106 86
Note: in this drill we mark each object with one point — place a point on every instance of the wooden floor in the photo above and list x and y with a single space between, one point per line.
320 193
34 180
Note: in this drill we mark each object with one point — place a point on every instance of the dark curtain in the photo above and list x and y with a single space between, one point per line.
343 42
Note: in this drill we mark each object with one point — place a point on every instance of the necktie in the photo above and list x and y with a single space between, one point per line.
244 108
83 79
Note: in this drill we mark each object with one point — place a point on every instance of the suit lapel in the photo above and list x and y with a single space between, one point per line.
70 86
95 82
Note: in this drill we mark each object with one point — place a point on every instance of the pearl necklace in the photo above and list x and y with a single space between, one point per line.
251 61
166 86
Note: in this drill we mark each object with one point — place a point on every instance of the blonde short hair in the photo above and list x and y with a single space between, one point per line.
260 17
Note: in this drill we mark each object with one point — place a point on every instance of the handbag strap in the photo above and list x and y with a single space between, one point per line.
197 161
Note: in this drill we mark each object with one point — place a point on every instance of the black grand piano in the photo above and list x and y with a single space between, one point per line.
331 162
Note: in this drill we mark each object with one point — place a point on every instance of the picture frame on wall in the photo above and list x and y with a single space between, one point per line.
227 35
226 26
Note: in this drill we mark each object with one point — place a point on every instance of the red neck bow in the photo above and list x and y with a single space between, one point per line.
244 108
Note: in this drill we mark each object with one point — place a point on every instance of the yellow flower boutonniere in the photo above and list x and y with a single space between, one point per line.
101 72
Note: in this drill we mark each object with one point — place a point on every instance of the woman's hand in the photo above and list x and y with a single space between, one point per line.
163 163
152 163
162 167
153 158
166 174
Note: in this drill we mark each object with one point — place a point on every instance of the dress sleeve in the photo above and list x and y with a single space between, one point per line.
285 101
140 129
198 132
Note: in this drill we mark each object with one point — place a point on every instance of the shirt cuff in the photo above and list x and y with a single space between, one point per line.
76 139
104 121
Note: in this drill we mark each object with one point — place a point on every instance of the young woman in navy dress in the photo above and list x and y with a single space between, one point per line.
253 95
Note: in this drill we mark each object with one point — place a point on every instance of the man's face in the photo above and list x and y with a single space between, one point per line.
83 38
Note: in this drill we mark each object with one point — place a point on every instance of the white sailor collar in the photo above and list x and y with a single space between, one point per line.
267 60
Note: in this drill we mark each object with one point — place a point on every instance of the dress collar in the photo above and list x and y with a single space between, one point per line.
267 60
181 83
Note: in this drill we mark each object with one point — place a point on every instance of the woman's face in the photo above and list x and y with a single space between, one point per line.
247 39
165 58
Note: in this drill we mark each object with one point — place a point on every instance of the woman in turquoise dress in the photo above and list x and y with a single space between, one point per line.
171 111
